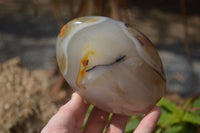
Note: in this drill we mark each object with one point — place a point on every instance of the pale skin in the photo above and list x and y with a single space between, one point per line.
70 117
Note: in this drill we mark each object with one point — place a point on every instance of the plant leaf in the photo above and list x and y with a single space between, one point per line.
132 124
159 130
168 119
191 117
187 103
168 105
196 103
175 129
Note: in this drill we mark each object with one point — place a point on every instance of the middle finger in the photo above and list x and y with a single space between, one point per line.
96 121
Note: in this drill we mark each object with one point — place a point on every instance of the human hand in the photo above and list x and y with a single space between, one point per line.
70 117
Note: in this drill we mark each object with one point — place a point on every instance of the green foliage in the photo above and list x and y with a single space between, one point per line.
196 103
132 124
174 119
87 116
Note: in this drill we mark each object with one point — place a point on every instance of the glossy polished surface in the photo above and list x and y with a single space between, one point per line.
111 64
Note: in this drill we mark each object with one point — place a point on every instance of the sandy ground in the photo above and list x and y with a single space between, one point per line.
24 98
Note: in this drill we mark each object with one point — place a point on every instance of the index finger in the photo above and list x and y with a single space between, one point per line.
69 116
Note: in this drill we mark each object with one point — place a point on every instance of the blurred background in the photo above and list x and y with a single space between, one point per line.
31 88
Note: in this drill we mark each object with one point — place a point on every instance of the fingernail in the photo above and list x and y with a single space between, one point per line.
74 95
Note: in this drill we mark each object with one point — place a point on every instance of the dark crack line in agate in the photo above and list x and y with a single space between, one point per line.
116 61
